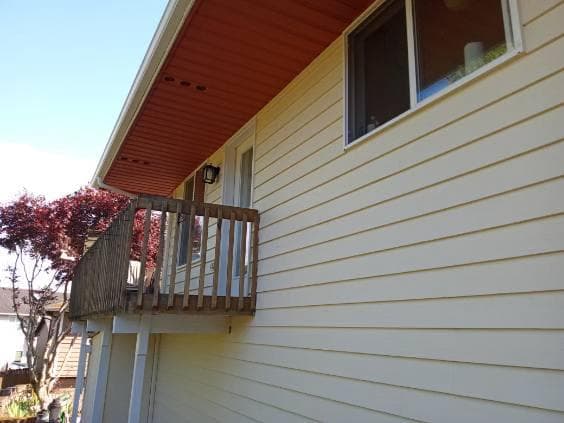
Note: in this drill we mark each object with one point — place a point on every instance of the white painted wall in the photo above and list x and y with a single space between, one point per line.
118 388
414 277
12 339
119 378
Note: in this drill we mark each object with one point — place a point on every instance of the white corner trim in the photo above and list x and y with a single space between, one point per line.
103 370
169 26
140 362
79 328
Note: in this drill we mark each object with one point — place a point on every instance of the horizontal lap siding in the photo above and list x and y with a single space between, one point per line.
66 360
416 276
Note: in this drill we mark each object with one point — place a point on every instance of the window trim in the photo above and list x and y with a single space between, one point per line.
514 48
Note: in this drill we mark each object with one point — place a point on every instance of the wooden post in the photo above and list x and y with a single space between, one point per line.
255 264
189 254
172 281
158 270
203 256
144 248
242 256
216 263
140 361
230 260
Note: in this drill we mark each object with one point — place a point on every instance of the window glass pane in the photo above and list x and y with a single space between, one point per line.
378 78
454 38
246 178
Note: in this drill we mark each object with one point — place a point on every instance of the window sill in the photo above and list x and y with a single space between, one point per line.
463 82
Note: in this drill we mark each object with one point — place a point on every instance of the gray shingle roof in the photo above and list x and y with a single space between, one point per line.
6 306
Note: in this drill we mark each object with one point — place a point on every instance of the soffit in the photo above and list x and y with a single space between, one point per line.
229 60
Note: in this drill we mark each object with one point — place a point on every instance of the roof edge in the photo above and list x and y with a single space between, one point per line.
163 39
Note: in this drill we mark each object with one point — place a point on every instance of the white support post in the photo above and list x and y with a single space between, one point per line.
102 379
80 328
141 350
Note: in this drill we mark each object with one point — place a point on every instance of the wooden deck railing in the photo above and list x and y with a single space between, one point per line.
102 284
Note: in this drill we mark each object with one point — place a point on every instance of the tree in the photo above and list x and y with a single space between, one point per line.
46 240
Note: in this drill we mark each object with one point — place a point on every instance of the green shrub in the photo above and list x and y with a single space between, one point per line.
24 404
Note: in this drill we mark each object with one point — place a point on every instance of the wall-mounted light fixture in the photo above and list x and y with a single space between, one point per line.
210 173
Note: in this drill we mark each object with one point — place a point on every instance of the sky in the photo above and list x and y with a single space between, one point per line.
66 67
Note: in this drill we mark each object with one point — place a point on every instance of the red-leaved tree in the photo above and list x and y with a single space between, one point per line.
46 240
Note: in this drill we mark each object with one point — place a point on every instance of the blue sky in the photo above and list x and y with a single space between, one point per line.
65 69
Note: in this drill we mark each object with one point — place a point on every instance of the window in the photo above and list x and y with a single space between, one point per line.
408 50
189 194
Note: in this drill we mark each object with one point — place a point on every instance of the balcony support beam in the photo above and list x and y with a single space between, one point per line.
170 323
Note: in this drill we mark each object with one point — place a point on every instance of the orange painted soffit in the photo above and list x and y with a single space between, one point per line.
229 59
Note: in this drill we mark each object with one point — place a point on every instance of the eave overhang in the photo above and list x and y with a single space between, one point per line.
211 66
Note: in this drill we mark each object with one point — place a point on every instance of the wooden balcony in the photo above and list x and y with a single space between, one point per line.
103 284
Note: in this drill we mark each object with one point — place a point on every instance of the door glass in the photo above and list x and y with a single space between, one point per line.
244 197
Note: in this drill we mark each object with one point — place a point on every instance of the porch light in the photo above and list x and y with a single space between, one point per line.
210 173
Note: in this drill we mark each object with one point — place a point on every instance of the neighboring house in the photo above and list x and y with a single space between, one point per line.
12 345
406 161
66 357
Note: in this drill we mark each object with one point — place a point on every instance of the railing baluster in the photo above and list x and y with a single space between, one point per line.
242 256
159 264
203 256
144 248
230 260
189 254
174 253
255 264
125 256
217 253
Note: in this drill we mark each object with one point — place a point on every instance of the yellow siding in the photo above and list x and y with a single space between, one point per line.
416 276
116 403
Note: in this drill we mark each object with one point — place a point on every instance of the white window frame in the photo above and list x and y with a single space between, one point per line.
514 48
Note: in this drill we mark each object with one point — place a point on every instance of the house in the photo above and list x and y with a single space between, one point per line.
68 350
12 347
383 241
14 369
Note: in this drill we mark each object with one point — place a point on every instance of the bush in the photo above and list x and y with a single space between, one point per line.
24 404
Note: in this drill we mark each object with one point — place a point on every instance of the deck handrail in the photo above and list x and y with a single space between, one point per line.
100 284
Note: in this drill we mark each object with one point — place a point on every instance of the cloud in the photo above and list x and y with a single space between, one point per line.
24 167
